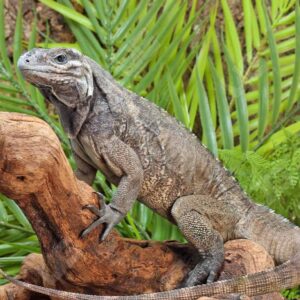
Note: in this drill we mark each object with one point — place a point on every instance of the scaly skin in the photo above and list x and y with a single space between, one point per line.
283 276
153 158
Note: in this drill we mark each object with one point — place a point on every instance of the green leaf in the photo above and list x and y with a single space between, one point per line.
17 44
159 64
255 29
218 59
232 37
199 67
101 33
146 54
69 13
180 110
210 90
279 137
11 260
21 246
205 116
248 28
59 45
7 88
134 36
223 109
101 12
263 98
296 73
133 226
3 212
12 100
120 13
130 21
86 38
261 17
17 212
3 47
14 108
240 101
276 69
32 39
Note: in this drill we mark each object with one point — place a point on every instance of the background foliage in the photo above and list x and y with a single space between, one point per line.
235 83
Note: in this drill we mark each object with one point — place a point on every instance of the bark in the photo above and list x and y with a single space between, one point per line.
36 174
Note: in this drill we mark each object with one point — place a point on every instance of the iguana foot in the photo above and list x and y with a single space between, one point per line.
107 215
206 271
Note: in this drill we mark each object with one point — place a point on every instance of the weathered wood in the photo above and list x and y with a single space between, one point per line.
36 174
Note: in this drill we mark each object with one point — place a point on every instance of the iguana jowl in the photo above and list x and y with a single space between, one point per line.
154 159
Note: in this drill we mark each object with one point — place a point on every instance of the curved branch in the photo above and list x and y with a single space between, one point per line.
36 174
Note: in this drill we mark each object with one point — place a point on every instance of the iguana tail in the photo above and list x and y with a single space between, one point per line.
284 276
276 234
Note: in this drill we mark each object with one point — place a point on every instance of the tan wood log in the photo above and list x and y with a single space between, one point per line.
36 174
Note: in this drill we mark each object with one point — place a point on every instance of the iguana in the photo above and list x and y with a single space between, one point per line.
153 158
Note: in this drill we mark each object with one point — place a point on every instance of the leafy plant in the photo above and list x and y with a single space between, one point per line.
273 180
238 90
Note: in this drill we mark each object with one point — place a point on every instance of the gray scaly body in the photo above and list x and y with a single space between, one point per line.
154 159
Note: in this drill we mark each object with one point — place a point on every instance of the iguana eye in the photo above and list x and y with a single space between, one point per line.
61 59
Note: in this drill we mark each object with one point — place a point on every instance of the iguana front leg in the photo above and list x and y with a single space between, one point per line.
198 230
125 164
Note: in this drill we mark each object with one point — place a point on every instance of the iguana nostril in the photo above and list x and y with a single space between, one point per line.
27 60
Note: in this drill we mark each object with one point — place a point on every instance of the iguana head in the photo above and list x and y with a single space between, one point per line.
65 78
64 71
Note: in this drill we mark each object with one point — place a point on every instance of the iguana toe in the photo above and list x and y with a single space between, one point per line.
107 215
204 272
94 209
91 227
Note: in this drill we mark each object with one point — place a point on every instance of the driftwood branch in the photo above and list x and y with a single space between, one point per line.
35 173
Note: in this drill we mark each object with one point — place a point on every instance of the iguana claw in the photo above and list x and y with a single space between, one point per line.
206 271
94 209
106 214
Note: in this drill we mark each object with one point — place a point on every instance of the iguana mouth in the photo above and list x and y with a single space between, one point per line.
34 70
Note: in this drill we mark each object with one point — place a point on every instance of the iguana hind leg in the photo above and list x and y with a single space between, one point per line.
198 230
